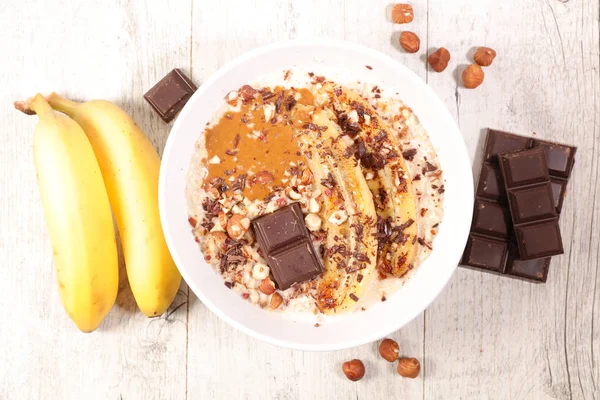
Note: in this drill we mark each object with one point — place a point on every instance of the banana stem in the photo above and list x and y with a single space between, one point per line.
61 104
40 105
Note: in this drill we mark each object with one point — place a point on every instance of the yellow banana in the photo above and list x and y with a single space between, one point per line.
78 217
130 167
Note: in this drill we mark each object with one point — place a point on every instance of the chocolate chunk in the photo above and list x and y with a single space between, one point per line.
484 253
286 243
559 189
531 270
490 183
539 240
409 154
524 167
170 94
503 142
491 219
559 157
532 203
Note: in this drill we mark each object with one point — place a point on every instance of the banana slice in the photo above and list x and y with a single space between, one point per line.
382 162
349 214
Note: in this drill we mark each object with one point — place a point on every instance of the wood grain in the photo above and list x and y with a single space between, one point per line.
483 337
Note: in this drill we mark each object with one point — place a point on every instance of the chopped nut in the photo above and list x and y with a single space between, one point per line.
402 13
389 350
354 370
263 178
292 194
260 271
313 206
307 177
410 42
237 226
254 296
484 56
313 222
276 301
439 59
409 367
267 286
269 110
214 160
338 217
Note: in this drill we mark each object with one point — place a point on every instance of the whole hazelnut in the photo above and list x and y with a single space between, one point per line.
354 370
389 350
267 286
439 59
276 301
410 42
409 367
402 13
484 56
472 76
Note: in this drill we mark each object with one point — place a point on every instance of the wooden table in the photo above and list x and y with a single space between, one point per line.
484 336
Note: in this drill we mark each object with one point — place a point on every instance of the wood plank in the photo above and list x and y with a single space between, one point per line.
492 337
92 50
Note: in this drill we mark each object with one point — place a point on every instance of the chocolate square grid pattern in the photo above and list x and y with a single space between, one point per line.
534 216
287 246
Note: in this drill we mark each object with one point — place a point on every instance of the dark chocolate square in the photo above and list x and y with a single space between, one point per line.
487 254
539 240
491 219
490 183
283 226
499 142
532 203
170 94
559 189
294 263
560 158
532 270
524 167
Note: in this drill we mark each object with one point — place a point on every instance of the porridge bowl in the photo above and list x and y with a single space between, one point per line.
392 125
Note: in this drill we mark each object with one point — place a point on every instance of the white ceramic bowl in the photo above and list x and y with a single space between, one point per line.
351 329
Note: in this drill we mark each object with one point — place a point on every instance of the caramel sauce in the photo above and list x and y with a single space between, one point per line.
246 141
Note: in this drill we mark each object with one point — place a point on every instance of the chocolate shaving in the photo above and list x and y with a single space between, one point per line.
231 152
361 257
337 91
266 95
429 167
361 150
353 297
229 284
290 102
328 182
383 298
382 135
409 154
417 177
310 126
359 278
422 242
236 141
405 225
239 183
229 172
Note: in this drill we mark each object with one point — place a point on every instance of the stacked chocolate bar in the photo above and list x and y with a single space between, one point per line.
517 204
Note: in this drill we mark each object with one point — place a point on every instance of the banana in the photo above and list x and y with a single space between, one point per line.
390 183
130 167
77 214
349 214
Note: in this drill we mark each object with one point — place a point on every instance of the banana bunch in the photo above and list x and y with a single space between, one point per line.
88 160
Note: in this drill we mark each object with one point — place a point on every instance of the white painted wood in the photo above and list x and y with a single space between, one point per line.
484 337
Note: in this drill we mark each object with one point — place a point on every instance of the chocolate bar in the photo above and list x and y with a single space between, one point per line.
170 94
287 246
531 202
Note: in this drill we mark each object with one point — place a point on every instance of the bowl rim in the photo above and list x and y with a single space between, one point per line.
257 52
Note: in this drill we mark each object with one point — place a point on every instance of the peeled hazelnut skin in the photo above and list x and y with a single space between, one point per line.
389 350
409 367
439 59
354 370
410 42
402 13
472 76
484 56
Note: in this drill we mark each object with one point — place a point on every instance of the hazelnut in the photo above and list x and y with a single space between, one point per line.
260 271
410 42
276 301
409 367
263 177
213 193
313 222
192 222
214 160
267 286
338 217
472 76
307 177
484 56
402 13
439 59
354 370
237 226
292 194
313 206
389 350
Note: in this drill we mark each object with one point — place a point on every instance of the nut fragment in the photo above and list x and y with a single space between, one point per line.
263 177
267 286
276 301
313 206
313 222
354 370
260 271
237 226
410 42
389 350
402 13
214 160
484 56
439 59
292 194
472 76
307 177
409 367
338 217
